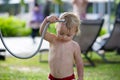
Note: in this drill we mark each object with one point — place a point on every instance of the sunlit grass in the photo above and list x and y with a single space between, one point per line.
32 69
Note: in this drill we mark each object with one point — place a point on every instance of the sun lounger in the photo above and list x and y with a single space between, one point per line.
110 42
2 55
90 30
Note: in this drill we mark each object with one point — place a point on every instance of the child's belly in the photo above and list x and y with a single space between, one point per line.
61 66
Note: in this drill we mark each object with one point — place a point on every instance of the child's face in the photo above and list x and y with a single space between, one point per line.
63 33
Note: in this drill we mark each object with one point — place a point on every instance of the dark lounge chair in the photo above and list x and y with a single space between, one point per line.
2 55
90 30
111 43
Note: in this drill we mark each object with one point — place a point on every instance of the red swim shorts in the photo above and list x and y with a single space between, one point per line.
72 77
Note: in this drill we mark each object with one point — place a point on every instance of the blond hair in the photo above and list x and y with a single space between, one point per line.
71 20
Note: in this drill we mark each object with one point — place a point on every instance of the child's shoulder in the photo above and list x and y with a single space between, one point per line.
75 44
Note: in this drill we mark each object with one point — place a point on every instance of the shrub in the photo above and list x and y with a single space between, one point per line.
52 29
11 26
103 31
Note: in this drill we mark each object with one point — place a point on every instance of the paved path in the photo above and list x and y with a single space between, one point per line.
23 45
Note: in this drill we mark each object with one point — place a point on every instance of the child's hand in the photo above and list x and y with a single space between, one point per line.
51 18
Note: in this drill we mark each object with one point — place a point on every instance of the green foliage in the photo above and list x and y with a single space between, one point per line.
117 1
52 29
90 9
22 2
58 1
11 26
103 31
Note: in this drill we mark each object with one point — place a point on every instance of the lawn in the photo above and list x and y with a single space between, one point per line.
32 69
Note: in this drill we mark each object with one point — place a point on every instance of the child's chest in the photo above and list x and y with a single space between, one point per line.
61 50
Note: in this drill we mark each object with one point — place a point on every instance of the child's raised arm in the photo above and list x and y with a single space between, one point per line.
48 36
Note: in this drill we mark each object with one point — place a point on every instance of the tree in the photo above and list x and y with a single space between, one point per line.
22 3
57 4
58 1
117 1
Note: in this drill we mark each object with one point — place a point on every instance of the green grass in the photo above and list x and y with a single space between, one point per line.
33 69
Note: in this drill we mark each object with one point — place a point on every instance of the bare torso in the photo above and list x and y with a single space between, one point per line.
63 50
61 59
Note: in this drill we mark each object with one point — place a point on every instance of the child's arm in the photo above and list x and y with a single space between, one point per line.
48 36
79 63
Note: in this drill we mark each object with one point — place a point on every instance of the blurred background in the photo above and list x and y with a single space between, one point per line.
19 13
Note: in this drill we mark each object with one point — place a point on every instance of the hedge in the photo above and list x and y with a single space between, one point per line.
11 26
